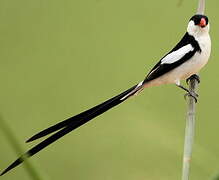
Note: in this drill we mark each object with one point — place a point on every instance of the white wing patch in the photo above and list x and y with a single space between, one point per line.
177 55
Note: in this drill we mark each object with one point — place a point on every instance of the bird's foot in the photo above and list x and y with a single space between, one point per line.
195 76
192 94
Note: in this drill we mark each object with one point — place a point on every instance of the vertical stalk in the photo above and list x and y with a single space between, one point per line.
190 130
190 120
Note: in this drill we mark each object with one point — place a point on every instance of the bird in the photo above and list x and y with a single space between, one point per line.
185 60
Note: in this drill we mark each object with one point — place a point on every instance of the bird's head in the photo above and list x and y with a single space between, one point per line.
198 24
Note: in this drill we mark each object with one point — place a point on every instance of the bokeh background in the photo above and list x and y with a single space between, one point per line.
58 58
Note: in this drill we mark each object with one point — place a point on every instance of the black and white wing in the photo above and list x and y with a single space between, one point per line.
181 53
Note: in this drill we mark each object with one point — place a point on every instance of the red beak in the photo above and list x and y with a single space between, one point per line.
202 22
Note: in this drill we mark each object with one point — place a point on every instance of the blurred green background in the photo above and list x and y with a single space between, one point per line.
58 58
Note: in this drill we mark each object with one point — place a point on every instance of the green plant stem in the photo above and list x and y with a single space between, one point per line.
189 131
32 171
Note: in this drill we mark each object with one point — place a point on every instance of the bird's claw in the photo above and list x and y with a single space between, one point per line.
192 94
195 76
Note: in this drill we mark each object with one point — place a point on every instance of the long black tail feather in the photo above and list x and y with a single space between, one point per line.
70 124
101 108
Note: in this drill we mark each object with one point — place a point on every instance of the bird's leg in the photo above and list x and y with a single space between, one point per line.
189 93
195 76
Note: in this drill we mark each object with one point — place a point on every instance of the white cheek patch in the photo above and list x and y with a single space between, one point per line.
177 55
